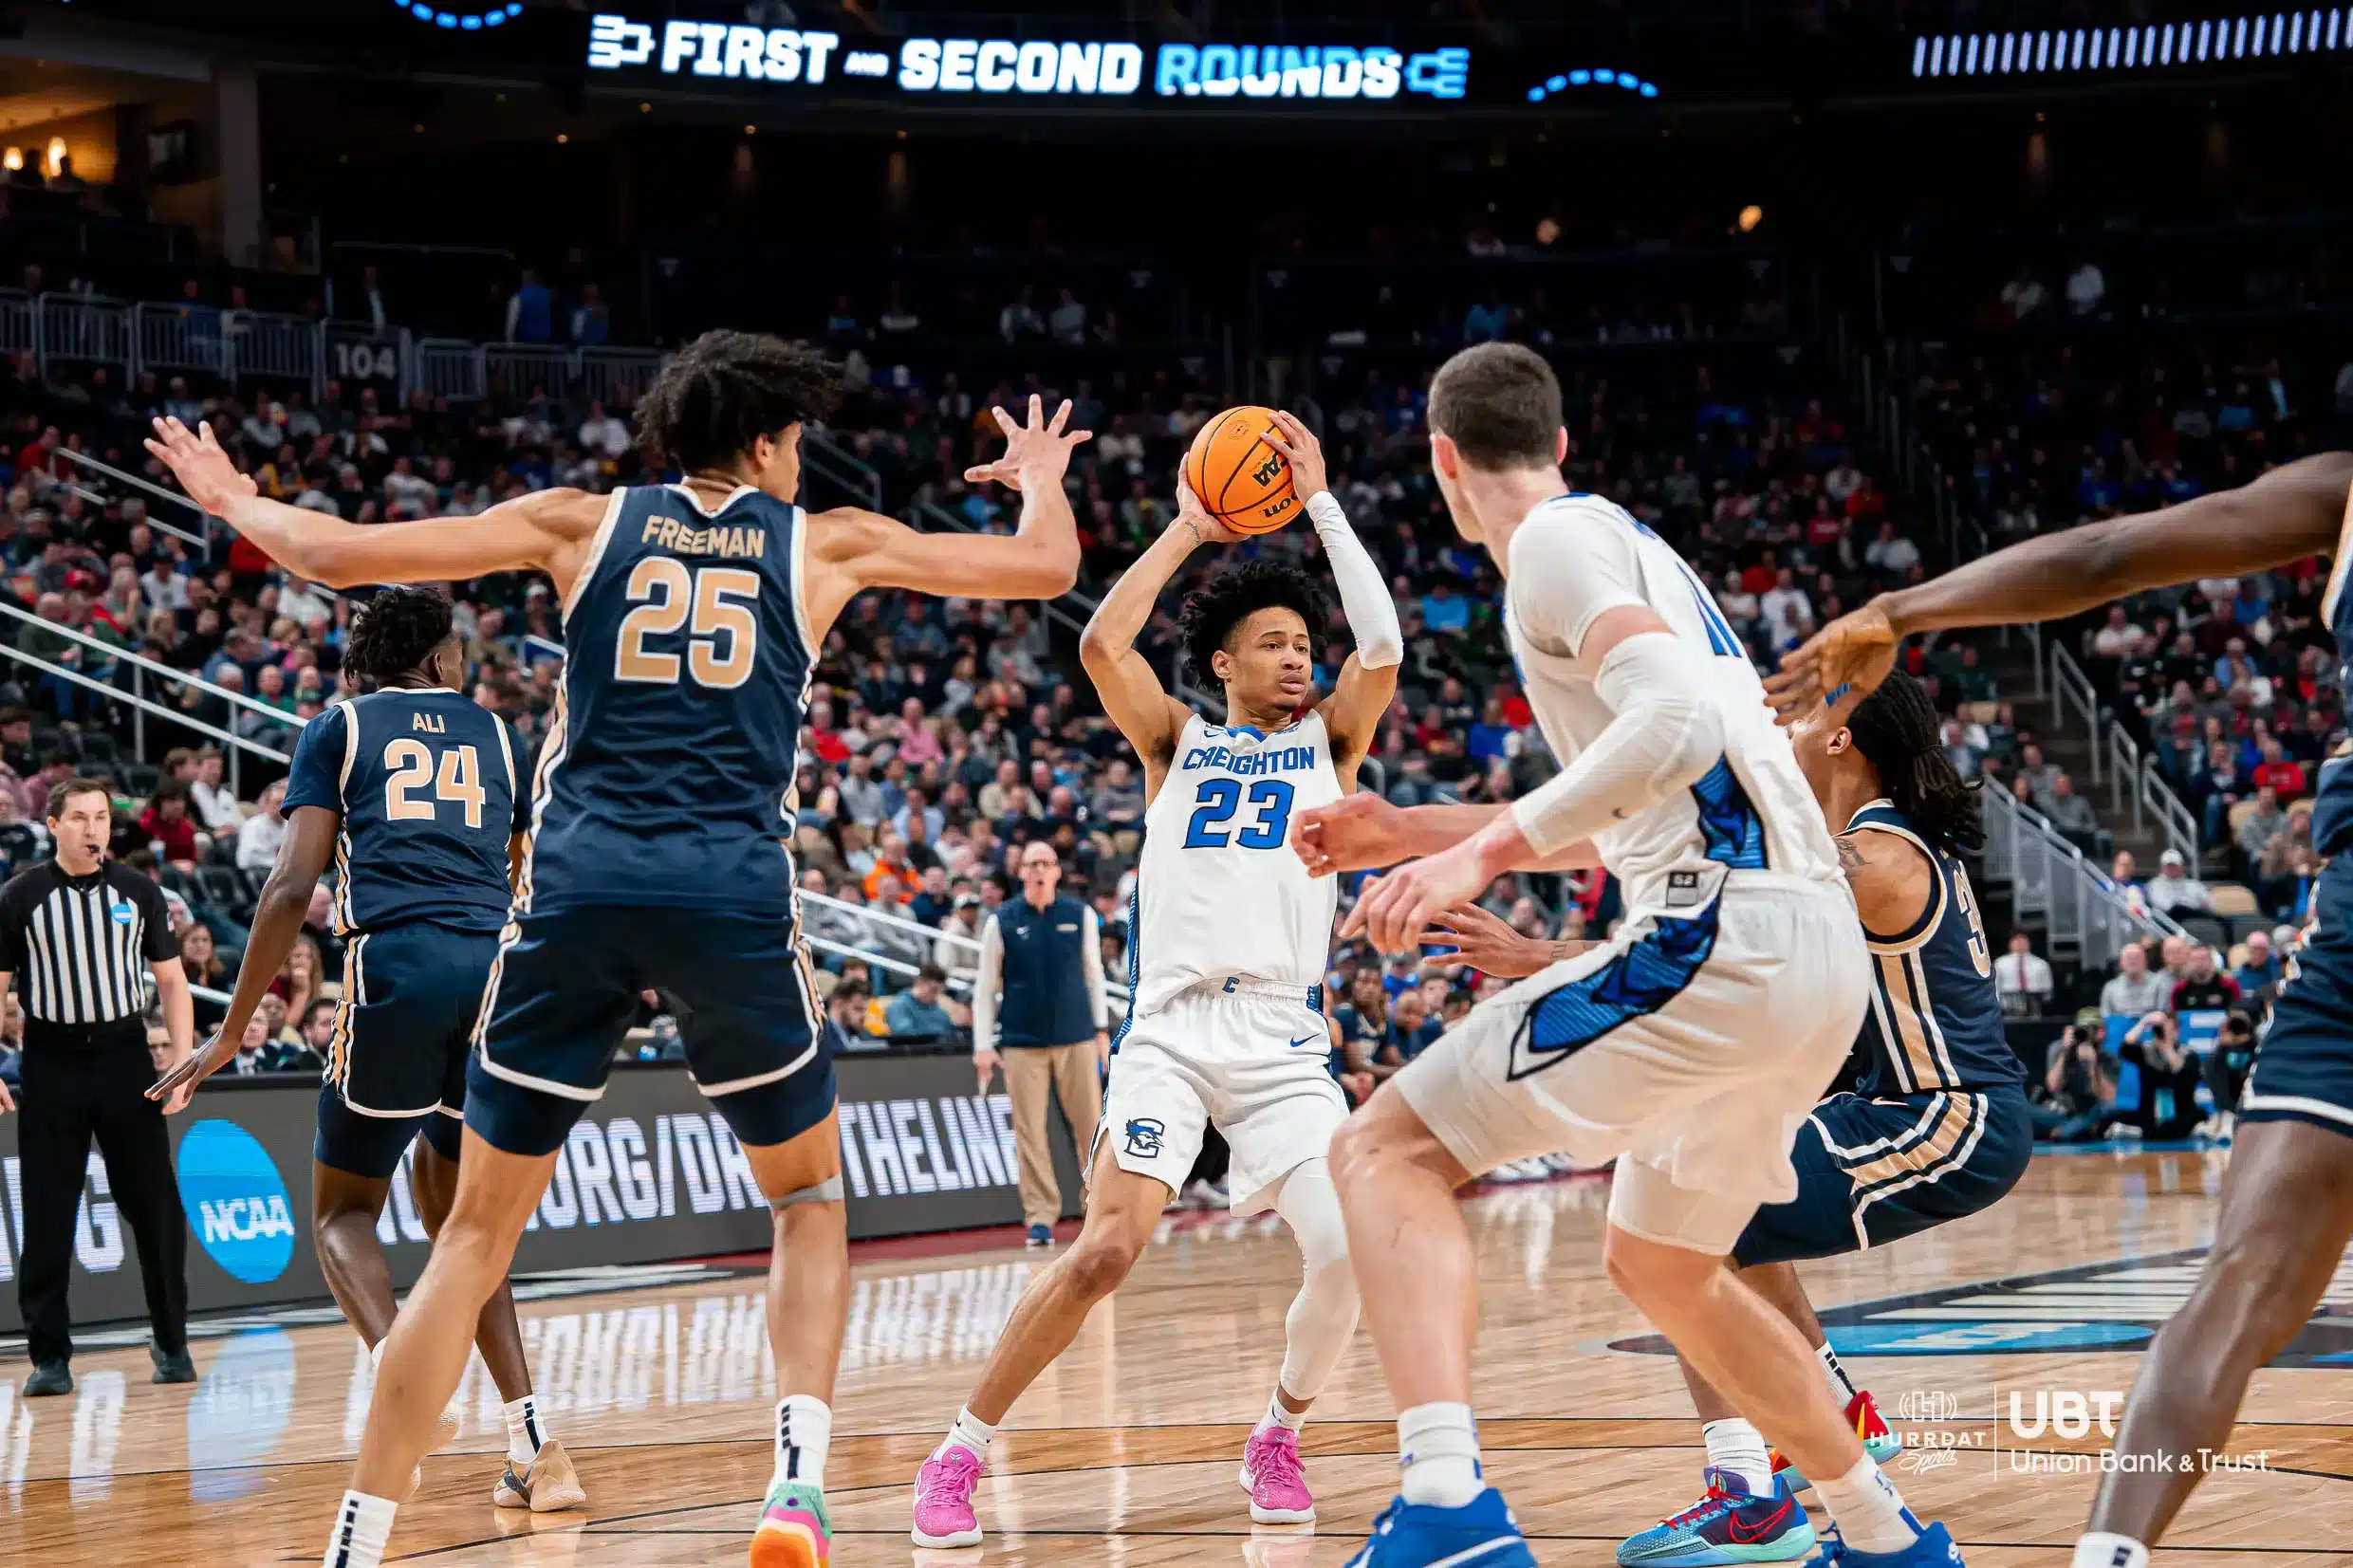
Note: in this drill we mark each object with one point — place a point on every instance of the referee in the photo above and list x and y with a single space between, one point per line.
75 931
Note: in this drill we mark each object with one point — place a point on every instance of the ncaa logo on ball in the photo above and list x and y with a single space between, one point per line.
235 1201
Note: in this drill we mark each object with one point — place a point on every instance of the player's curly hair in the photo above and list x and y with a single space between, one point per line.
1897 731
727 389
1212 611
393 634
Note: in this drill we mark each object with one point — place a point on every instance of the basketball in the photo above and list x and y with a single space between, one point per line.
1244 483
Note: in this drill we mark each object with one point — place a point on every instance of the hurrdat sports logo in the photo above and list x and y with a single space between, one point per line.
235 1201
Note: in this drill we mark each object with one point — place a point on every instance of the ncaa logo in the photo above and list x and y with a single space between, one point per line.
1143 1136
123 913
235 1201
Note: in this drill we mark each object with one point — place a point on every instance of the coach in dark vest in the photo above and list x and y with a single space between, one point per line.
1044 951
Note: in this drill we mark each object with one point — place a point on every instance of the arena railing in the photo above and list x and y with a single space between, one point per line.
2084 914
200 535
2071 687
869 920
178 337
144 671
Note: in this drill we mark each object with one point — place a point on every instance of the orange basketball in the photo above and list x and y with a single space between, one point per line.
1245 484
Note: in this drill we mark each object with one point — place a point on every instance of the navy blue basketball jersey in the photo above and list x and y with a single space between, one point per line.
1935 1022
667 776
2332 808
428 784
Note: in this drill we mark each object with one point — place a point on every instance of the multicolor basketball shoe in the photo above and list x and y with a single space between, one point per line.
794 1531
1863 1415
1729 1524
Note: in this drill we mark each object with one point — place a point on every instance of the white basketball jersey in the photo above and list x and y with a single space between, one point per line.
1578 556
1218 891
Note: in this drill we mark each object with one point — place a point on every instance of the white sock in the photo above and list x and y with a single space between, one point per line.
375 1354
524 1432
363 1527
1739 1447
2098 1549
803 1432
1864 1505
1840 1384
971 1434
1438 1445
1277 1416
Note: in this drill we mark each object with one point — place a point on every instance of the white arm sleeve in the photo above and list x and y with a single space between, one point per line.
1666 733
984 985
1090 961
1364 597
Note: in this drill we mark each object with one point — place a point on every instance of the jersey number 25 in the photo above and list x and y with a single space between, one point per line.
724 639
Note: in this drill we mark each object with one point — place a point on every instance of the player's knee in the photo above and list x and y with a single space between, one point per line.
1098 1264
1647 1271
1367 1143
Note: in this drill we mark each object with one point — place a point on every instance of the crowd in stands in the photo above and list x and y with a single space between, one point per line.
944 734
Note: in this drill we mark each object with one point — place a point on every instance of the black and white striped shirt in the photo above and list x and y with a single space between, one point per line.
80 946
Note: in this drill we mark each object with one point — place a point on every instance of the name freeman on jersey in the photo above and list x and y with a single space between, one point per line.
1250 765
668 533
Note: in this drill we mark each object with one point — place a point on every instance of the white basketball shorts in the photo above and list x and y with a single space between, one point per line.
1251 1057
1689 1047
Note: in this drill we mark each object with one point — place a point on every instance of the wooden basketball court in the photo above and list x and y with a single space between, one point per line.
1125 1452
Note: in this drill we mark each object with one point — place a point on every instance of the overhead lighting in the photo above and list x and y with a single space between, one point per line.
2149 45
1600 76
12 160
1751 217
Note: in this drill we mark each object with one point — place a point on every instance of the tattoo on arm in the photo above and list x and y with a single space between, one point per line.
1850 859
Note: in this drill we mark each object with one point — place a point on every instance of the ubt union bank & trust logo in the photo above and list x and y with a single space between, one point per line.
235 1201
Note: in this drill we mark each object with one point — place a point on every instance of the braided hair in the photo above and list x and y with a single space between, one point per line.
1212 611
725 390
395 635
1897 731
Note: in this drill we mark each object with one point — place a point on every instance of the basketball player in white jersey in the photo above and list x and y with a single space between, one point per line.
1689 1047
1228 939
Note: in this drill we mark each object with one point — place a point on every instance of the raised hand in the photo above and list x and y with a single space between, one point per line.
1354 833
203 470
1851 655
1191 514
1304 454
1038 450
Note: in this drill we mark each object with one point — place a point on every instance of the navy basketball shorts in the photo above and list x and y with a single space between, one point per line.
565 988
2304 1067
402 1032
1870 1172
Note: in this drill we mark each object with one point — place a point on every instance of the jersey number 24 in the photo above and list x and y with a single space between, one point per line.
1221 799
410 767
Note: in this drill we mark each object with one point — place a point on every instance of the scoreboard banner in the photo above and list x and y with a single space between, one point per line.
650 1173
1361 73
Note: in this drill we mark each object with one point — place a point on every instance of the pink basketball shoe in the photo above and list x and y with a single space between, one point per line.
1274 1478
944 1499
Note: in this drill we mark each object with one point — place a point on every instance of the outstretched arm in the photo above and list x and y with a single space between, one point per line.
852 550
1131 692
546 530
1363 832
1369 680
277 921
2295 510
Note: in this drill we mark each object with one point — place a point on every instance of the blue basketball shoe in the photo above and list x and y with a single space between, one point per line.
1729 1524
1933 1549
1480 1534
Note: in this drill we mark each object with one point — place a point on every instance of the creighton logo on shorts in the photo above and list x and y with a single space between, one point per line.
1144 1134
